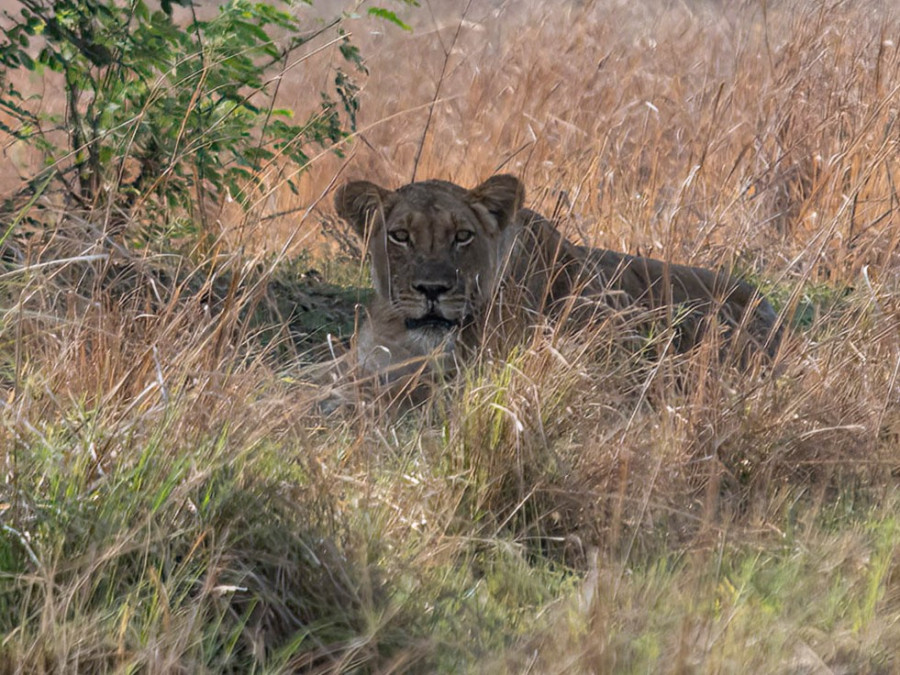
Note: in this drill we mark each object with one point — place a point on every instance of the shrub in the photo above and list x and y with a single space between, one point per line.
161 112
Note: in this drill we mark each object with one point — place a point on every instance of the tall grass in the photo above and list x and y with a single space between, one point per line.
177 497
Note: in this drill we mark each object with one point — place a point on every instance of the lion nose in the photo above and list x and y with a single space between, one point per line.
432 289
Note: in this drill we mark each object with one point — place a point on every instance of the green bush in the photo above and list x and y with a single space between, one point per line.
165 113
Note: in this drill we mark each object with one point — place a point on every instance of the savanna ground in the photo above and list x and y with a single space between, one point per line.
176 498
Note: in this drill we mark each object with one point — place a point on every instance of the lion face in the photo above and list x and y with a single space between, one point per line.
435 248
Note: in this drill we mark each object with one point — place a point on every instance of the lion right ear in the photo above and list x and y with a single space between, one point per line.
359 203
502 195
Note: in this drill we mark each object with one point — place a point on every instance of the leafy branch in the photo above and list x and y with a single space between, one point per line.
160 113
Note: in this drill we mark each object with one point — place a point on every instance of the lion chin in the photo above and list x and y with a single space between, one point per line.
426 337
432 322
446 250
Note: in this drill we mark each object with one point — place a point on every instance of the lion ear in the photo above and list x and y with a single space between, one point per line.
358 203
501 195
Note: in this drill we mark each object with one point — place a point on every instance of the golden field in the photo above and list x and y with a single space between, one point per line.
177 500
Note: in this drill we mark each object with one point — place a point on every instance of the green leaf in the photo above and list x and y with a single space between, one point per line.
388 15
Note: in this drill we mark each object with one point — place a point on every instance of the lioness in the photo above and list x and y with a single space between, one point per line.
439 253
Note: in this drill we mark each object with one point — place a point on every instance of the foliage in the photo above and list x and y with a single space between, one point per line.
165 108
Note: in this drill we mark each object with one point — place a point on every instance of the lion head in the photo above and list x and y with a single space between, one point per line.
435 249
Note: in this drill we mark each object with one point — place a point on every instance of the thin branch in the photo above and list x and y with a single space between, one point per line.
437 90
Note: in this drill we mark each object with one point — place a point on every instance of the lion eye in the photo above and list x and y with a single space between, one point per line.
464 236
399 236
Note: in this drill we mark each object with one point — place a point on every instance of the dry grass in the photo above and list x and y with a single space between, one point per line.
175 500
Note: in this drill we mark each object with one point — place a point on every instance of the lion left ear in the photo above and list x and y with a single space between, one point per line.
359 203
501 195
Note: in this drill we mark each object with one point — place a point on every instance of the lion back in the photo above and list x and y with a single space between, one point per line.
552 272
